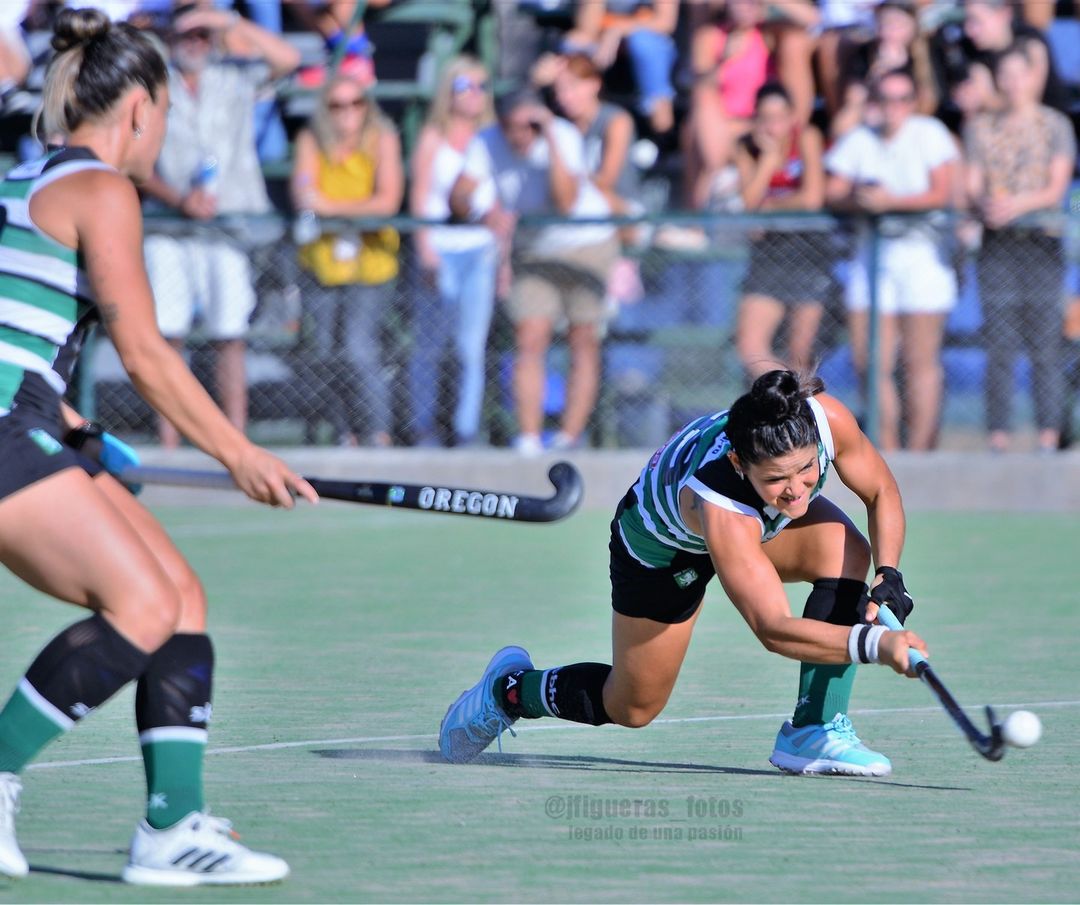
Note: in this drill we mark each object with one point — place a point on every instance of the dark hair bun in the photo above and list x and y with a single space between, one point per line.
77 27
776 396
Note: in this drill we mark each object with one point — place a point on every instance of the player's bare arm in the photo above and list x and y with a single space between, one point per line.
112 250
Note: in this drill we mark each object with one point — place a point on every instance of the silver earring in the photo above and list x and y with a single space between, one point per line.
138 132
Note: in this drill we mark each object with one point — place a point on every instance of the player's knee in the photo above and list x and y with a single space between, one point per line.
148 614
192 615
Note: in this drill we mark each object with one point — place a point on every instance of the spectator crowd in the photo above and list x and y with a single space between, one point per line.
942 133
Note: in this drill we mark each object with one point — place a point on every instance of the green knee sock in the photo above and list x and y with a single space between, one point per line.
528 701
824 691
173 780
24 731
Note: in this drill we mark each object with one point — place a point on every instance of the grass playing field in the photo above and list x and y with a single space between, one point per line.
343 633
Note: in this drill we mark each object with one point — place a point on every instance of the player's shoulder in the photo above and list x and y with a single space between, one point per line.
841 420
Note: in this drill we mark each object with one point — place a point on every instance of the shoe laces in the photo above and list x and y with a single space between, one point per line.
489 722
842 727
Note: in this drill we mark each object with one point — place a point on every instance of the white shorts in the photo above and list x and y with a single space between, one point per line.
207 280
913 278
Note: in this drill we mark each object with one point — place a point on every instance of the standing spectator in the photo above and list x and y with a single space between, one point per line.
905 166
643 29
457 261
897 43
534 163
348 164
209 167
609 134
1020 163
780 169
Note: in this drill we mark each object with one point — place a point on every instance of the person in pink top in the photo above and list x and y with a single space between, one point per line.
731 58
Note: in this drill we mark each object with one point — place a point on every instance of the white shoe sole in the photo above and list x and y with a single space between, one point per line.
802 766
150 876
14 872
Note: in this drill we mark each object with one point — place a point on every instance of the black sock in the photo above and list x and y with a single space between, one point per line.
573 693
172 710
78 670
84 666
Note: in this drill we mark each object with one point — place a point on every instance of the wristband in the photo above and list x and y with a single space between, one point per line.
863 642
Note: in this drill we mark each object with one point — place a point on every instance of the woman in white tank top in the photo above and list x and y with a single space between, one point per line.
456 295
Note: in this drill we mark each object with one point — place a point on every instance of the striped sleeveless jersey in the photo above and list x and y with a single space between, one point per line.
653 529
46 305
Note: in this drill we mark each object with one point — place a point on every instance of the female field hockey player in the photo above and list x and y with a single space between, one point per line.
70 252
735 494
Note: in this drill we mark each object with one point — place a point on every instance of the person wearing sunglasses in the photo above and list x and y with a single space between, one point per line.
348 164
456 296
209 167
906 164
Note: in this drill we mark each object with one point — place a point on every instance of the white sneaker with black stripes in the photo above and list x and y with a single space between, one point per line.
200 850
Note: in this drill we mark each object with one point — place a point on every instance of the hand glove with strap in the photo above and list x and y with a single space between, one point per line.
112 453
890 592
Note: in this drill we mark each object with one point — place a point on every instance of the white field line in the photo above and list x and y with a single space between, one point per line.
549 727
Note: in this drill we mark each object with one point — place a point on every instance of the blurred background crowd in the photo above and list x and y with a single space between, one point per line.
548 224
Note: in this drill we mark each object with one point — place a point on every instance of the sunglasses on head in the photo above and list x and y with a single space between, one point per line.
355 104
462 83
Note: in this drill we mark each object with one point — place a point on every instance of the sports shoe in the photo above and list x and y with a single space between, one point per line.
528 445
200 850
12 862
474 720
831 747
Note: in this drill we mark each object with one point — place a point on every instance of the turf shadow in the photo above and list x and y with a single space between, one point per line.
595 764
93 876
541 761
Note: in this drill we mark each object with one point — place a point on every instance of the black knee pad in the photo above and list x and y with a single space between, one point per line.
836 601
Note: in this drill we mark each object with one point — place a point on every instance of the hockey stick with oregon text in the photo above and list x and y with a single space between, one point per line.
991 746
446 499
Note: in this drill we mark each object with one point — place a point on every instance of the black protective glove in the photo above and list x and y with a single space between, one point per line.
890 592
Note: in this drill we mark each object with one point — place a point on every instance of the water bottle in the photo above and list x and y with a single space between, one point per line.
306 228
206 175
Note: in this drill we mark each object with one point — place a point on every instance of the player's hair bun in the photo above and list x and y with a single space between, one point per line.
78 27
776 396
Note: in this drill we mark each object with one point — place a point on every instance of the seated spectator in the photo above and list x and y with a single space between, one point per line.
897 44
780 169
534 163
730 61
843 22
457 263
906 165
344 35
209 167
990 29
1020 163
643 29
14 55
348 164
731 58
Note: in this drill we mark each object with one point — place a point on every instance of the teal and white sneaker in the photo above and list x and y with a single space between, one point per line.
474 720
832 747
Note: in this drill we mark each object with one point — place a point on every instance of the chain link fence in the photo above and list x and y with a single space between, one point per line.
384 360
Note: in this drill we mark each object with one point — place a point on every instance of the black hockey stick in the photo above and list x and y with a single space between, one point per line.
423 497
991 746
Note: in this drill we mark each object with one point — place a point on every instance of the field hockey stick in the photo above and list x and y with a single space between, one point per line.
991 746
421 497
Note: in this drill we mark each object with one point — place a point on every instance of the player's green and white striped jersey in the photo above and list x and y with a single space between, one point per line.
46 304
696 457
